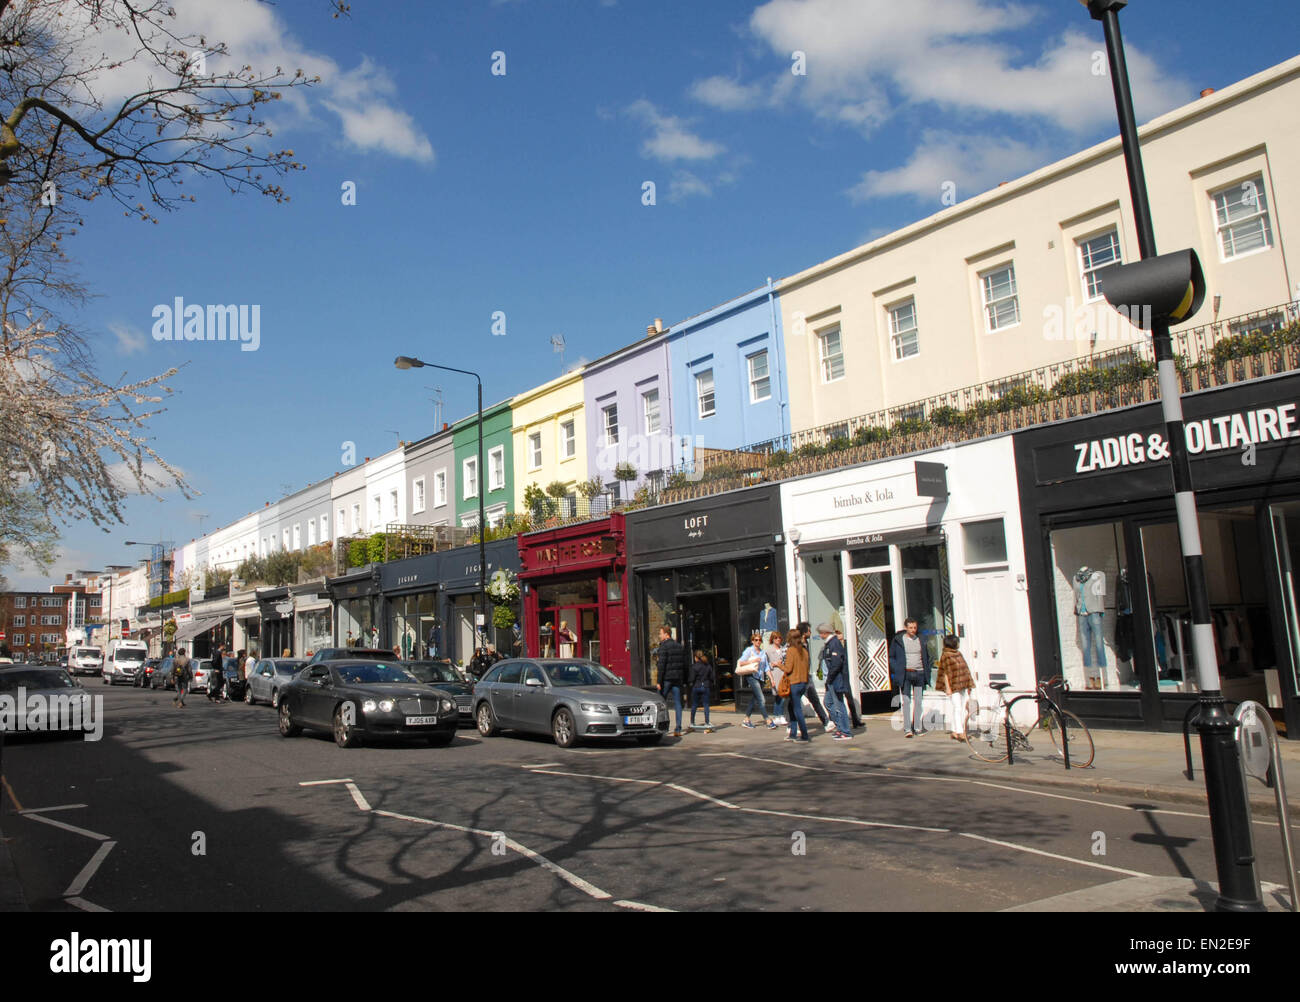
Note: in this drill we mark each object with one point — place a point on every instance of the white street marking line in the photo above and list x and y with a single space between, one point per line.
737 807
640 907
357 798
1053 855
36 816
324 782
44 810
539 765
84 905
83 878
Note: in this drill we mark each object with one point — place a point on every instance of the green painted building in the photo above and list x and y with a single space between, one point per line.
498 460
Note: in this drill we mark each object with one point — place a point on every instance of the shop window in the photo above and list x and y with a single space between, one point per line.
712 577
413 627
1285 520
985 542
824 604
1094 607
660 610
926 591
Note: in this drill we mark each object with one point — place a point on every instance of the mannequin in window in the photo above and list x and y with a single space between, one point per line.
1090 608
547 631
1124 632
565 639
767 619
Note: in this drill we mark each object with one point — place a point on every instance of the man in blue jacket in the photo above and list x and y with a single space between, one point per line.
910 662
837 681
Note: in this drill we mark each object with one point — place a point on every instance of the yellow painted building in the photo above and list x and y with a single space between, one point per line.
550 440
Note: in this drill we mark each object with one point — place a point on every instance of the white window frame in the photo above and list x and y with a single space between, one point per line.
700 394
495 515
356 516
647 411
297 535
826 360
750 360
20 601
1088 270
608 424
1224 227
311 532
568 438
534 450
377 506
325 528
395 505
495 482
897 334
468 476
417 496
440 488
285 537
994 319
20 621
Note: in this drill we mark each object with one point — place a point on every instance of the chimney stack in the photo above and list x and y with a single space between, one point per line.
1207 92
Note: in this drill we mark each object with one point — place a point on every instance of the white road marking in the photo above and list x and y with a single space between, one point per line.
1053 855
737 807
61 807
35 815
83 878
539 765
324 782
357 798
84 905
641 907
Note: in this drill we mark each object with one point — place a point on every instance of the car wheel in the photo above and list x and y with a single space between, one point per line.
288 729
345 734
248 695
441 740
563 728
487 721
649 739
275 697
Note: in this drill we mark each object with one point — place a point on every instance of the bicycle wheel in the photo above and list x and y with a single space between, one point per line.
1081 747
984 734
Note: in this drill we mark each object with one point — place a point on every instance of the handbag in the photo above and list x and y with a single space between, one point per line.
783 689
747 667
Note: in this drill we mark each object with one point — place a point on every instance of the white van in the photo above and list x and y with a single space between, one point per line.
125 658
85 660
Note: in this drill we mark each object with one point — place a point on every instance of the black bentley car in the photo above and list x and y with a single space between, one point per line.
356 699
443 675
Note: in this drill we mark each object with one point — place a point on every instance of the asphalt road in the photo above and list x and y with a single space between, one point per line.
209 809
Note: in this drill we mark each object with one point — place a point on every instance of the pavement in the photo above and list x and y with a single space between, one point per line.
1141 764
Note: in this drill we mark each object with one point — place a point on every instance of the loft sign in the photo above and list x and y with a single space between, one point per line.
1227 431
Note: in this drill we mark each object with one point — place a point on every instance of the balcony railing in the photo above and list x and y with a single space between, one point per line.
1232 350
397 542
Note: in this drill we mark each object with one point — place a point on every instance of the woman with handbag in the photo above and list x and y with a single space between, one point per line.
748 668
796 677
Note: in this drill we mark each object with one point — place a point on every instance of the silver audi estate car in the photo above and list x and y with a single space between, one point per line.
567 698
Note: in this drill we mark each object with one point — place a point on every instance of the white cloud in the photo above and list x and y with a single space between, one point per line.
129 339
154 476
669 138
974 163
727 94
684 184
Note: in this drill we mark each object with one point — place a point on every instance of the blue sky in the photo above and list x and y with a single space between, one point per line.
522 193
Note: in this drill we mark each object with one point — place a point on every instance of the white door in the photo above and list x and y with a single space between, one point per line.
990 641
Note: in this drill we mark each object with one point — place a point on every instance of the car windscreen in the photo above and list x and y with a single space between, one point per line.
129 654
89 654
434 673
578 673
35 678
372 674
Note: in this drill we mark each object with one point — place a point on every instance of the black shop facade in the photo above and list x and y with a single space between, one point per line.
710 570
1108 599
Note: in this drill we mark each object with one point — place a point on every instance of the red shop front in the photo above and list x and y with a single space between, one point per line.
575 593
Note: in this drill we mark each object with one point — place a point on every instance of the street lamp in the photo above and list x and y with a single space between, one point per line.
1169 288
405 362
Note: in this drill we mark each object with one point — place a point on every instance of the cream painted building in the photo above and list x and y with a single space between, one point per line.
549 435
1006 282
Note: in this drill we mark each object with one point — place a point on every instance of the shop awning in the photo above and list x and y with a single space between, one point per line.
196 626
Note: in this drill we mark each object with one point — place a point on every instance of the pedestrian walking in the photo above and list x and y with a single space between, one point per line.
673 670
909 669
775 654
182 674
750 669
702 678
796 676
855 711
216 677
836 660
953 678
810 691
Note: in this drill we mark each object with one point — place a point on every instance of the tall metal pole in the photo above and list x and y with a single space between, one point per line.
482 517
1225 780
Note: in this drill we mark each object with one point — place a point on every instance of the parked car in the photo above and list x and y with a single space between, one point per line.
145 676
357 699
202 668
351 654
65 705
162 677
268 677
568 698
445 676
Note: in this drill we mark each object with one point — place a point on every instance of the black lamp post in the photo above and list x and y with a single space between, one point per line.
405 362
1170 288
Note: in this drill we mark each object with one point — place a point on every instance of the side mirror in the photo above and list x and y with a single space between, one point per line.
536 682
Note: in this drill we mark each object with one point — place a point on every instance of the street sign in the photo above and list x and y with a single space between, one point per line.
931 480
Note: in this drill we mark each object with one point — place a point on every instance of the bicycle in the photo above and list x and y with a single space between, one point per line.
993 734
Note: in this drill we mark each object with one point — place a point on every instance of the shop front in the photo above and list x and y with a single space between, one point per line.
575 593
313 617
211 625
711 570
358 607
1107 592
931 537
275 632
248 621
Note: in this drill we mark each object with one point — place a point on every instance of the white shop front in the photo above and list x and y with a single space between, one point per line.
934 536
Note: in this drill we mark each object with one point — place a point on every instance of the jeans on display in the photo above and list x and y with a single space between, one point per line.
796 710
756 700
839 713
913 700
676 691
1092 630
700 697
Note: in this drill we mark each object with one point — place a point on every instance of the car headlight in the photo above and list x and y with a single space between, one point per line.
386 705
368 706
595 708
448 705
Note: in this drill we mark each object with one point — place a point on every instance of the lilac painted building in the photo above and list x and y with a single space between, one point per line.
628 407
